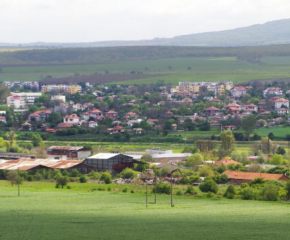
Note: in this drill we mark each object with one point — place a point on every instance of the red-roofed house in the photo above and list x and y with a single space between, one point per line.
112 114
281 103
246 177
226 162
72 119
238 91
273 91
212 111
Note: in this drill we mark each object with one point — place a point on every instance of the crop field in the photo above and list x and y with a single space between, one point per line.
279 132
170 70
43 212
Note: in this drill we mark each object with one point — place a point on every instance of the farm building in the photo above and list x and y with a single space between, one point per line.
70 152
35 164
161 156
8 155
246 177
113 162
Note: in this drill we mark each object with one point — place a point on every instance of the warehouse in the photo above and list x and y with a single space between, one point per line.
35 164
70 152
113 162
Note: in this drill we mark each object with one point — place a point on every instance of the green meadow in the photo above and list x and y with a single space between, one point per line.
170 70
44 212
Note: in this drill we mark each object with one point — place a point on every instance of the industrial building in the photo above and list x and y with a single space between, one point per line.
69 152
113 162
160 155
35 164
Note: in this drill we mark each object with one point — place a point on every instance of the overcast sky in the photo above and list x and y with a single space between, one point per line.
25 21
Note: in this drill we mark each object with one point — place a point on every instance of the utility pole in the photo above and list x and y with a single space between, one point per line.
18 182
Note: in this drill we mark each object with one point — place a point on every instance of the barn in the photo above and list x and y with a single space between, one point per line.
113 162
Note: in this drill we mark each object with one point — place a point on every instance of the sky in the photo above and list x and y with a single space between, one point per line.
25 21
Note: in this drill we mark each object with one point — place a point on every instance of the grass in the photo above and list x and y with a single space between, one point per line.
279 132
202 69
43 212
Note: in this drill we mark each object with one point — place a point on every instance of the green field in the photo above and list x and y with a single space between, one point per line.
202 69
43 212
279 132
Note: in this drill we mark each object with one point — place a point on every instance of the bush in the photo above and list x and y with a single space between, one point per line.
208 186
106 177
124 190
74 173
249 193
61 181
68 187
209 195
83 179
270 192
128 173
109 189
190 190
230 192
179 193
162 188
257 181
30 178
132 191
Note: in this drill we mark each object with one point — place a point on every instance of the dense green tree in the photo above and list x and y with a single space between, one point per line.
248 124
36 140
228 142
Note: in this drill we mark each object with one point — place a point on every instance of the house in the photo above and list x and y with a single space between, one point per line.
95 113
3 119
249 108
26 126
93 124
117 129
113 162
212 111
132 122
273 91
70 152
72 119
39 115
112 114
226 162
238 91
131 115
246 177
61 108
281 103
152 121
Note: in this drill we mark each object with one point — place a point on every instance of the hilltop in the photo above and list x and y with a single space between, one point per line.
274 32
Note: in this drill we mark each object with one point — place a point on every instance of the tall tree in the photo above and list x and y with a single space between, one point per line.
228 140
249 125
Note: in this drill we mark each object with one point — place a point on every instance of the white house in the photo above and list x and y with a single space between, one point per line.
281 103
73 119
273 91
238 91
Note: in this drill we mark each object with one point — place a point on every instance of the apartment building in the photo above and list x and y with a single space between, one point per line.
22 99
71 89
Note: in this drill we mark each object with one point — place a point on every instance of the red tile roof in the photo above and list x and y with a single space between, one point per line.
226 162
251 176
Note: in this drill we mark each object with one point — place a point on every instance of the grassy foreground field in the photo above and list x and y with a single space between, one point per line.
43 212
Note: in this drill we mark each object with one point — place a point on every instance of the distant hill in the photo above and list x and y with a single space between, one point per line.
275 32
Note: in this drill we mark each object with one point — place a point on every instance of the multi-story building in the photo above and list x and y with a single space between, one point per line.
71 89
30 85
216 87
23 99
